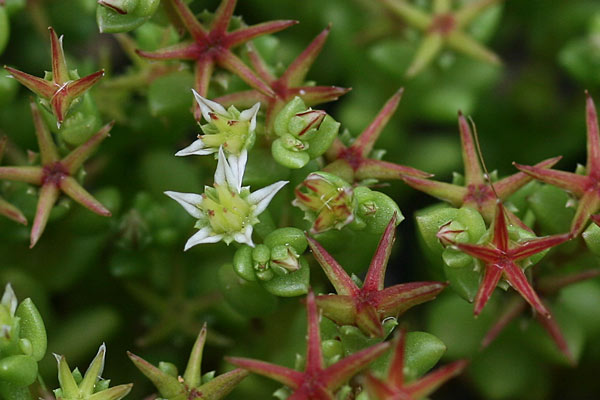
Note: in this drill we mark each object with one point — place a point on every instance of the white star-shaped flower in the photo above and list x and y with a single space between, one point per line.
231 129
227 211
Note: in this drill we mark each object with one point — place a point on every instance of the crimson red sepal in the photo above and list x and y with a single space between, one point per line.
55 175
315 380
500 261
366 307
356 156
212 47
584 187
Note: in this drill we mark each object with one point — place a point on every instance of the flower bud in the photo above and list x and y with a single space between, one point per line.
327 201
304 134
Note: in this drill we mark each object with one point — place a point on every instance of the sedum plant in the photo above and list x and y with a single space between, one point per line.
334 249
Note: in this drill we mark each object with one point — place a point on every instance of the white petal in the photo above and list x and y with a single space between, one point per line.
189 201
202 236
263 197
238 165
250 115
245 237
208 106
220 176
9 299
196 148
231 170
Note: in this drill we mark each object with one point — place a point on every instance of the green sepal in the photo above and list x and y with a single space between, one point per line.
374 209
20 370
288 236
82 121
292 284
32 328
243 264
548 204
430 220
422 352
110 21
168 386
591 236
248 298
324 137
288 158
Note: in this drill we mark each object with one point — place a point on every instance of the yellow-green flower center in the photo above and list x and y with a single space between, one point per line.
227 212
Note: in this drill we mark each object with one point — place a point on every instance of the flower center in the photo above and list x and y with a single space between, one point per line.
443 24
54 173
227 212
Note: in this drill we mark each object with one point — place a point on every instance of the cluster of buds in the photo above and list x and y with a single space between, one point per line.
22 343
277 263
303 134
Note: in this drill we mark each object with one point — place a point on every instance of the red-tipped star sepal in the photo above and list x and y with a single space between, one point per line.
394 387
476 192
192 385
366 307
7 209
500 256
61 90
210 48
290 84
316 382
353 163
583 187
56 175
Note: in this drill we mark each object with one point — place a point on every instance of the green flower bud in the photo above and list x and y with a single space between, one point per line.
20 370
304 134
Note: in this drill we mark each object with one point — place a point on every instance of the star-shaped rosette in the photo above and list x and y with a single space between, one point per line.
500 257
56 175
584 187
192 385
210 48
89 387
395 388
316 382
7 209
290 84
353 162
62 87
476 192
231 129
227 211
366 307
443 27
